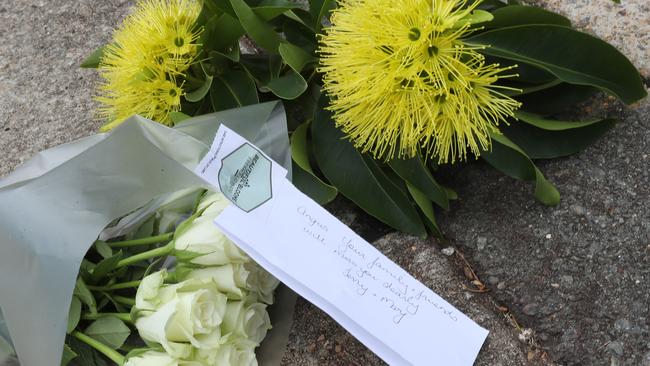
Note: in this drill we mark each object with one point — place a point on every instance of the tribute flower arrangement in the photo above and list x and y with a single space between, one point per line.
390 92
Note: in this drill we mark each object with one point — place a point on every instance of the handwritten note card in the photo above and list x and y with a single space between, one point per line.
308 249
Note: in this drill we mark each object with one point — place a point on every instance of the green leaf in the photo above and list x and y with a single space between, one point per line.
300 35
93 60
555 99
295 57
304 177
109 330
233 89
258 29
68 355
84 294
288 86
513 15
200 92
103 249
427 209
178 117
359 178
318 10
415 173
86 355
221 32
544 139
572 56
105 266
74 314
508 158
475 17
269 9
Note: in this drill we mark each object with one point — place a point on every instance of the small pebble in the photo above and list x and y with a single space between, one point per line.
501 285
321 338
337 348
448 251
311 348
548 236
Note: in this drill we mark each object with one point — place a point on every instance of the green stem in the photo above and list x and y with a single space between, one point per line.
157 252
126 317
117 286
99 346
124 300
142 241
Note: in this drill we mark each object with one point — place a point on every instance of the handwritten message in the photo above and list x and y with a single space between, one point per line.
377 301
370 274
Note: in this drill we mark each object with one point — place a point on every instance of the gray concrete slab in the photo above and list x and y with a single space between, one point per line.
582 290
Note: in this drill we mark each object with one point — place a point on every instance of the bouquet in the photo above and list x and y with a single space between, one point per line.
207 308
114 233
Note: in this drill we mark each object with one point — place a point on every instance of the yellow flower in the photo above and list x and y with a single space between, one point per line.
401 80
143 67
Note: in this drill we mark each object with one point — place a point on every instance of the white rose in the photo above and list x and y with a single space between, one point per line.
251 322
151 358
190 314
261 283
205 244
230 279
147 296
213 203
240 353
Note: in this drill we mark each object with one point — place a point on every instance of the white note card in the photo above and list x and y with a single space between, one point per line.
312 252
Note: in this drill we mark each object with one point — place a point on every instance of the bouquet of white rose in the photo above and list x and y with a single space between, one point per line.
109 246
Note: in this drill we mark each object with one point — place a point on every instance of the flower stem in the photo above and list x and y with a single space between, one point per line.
117 286
126 317
124 300
99 346
157 252
142 241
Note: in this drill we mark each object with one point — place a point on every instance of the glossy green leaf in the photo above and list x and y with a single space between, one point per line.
300 35
295 57
427 209
303 175
526 73
109 330
289 86
555 99
572 56
68 355
475 17
544 139
415 173
233 89
270 9
318 10
256 27
200 92
93 60
74 314
221 32
359 178
84 294
513 15
513 161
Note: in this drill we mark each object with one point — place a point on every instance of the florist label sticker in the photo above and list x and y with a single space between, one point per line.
323 260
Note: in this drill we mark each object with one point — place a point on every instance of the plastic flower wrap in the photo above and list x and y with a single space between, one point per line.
143 67
401 79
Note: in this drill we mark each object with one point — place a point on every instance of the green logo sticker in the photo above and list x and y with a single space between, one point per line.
245 177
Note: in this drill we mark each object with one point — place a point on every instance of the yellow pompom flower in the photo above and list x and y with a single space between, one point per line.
143 67
401 80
